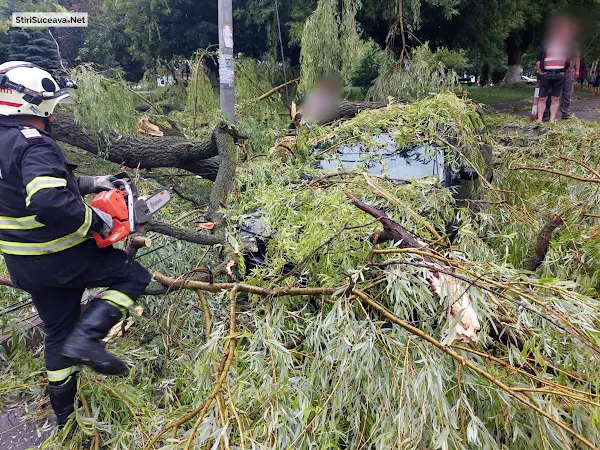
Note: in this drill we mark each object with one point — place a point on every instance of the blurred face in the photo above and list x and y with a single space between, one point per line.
563 28
328 85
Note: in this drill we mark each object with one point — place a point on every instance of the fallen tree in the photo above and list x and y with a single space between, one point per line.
356 346
200 158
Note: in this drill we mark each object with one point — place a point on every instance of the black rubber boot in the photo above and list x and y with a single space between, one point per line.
62 399
84 345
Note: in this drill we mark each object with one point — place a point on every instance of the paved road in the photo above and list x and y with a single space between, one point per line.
20 433
585 107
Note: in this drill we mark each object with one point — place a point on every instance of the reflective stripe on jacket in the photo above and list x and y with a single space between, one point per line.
41 209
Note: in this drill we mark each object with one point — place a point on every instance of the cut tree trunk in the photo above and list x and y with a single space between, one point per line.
148 152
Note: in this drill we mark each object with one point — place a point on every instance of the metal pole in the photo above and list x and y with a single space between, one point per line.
226 65
287 94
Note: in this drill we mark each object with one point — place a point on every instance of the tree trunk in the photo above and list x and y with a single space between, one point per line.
514 50
348 110
200 158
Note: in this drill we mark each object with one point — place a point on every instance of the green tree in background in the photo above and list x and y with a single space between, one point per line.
331 45
35 46
107 45
157 31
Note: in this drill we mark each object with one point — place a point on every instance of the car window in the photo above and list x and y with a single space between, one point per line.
384 158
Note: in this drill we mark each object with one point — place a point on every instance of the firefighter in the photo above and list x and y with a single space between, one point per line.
45 229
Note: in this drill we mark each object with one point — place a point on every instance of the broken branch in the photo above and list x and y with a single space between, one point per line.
471 365
543 242
276 89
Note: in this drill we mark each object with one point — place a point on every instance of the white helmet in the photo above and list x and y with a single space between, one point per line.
25 89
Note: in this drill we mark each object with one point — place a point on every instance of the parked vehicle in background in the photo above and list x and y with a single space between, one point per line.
528 80
469 80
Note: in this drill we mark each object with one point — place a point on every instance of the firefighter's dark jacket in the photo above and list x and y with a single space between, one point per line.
41 209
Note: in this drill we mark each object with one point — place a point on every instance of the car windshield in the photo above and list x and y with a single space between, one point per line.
386 159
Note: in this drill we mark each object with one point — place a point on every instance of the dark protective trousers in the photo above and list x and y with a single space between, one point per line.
57 281
565 103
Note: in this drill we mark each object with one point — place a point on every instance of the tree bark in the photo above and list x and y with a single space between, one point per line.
515 64
543 242
200 158
223 183
392 229
515 47
348 110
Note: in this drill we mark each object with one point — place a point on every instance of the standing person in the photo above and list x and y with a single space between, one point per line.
552 63
573 69
583 73
590 82
571 75
45 232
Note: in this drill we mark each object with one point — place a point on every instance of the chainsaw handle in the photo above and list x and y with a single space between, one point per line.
122 176
123 179
119 232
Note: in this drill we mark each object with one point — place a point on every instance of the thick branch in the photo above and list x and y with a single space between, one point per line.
348 110
242 287
185 234
391 228
149 152
223 183
543 242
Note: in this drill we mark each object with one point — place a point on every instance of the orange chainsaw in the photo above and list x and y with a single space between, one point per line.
128 211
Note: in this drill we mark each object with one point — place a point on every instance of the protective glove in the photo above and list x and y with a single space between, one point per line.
95 185
106 222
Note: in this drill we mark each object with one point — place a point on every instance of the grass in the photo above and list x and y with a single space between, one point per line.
494 95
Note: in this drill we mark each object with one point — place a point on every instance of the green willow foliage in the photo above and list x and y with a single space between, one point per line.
330 43
422 74
351 379
202 100
103 104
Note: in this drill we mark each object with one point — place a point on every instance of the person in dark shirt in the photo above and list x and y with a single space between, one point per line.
553 62
45 229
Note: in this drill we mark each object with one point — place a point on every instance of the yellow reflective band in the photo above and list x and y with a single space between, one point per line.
19 223
39 183
62 374
118 298
57 245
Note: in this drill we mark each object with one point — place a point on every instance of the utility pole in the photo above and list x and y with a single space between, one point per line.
285 80
226 64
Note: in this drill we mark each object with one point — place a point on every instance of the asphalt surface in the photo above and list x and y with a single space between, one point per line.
17 432
585 106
